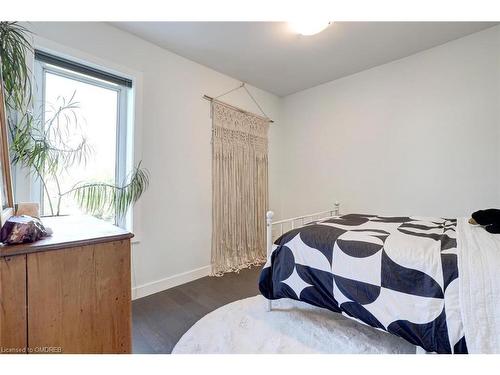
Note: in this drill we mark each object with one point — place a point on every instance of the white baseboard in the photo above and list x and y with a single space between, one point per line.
169 282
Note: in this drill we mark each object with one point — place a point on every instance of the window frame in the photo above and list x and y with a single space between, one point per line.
122 152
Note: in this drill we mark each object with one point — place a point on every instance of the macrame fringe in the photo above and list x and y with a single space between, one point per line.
239 189
249 265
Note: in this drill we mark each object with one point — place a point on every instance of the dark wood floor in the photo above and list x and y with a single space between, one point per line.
159 320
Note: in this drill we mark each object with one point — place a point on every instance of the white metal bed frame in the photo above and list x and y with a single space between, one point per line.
292 221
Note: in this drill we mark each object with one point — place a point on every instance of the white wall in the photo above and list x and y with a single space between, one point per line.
173 131
417 136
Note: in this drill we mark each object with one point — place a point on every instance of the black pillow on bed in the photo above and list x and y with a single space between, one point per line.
489 218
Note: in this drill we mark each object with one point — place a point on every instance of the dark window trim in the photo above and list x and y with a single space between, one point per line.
81 68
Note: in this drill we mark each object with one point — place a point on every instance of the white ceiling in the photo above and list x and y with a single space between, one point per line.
269 56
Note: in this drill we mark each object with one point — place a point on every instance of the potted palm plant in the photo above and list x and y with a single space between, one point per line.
41 147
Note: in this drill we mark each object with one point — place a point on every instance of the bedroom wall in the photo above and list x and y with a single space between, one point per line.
416 136
172 221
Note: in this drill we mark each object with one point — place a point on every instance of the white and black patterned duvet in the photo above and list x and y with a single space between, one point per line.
397 274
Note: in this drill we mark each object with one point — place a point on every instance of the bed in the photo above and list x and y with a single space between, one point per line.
432 281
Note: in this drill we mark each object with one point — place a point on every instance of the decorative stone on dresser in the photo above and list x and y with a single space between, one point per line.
69 293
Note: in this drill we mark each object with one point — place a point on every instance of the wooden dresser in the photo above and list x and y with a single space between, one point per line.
68 293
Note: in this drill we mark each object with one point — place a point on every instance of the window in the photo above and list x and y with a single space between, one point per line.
95 115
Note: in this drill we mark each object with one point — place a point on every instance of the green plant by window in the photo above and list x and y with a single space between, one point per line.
43 148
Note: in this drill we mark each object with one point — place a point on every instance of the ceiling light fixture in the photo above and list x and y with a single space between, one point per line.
309 27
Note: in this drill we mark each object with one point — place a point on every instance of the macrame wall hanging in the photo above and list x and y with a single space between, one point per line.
239 186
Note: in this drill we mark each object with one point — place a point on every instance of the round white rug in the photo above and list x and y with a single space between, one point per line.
245 326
